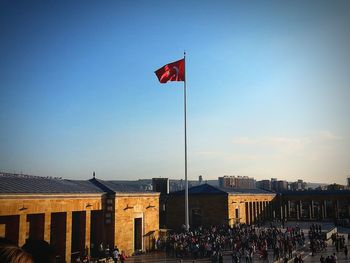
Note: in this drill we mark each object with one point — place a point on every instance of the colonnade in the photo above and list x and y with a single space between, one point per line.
258 211
313 209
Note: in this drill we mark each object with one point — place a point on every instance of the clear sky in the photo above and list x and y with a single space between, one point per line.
268 89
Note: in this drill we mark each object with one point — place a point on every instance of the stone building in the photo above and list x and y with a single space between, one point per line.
209 205
61 212
76 216
131 215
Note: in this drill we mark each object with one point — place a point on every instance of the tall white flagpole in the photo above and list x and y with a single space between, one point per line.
187 223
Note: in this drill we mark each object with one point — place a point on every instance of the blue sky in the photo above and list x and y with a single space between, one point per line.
268 89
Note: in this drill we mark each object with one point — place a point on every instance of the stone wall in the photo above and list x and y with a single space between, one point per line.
48 217
260 203
214 209
211 210
36 204
131 206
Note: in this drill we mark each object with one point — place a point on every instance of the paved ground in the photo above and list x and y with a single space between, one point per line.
160 257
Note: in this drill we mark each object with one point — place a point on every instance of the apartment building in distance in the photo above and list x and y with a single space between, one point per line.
236 182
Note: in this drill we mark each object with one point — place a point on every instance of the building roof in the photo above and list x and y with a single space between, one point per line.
201 189
27 184
111 186
316 192
255 191
212 190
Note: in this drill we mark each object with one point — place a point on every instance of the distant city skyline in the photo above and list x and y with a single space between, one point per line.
268 89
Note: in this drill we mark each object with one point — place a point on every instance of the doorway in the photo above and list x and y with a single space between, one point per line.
137 234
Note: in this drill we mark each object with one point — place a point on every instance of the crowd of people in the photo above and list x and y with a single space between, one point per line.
339 241
243 241
317 239
104 252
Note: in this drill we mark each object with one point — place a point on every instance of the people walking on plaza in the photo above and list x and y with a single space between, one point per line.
346 251
115 254
334 258
122 257
101 250
243 241
265 256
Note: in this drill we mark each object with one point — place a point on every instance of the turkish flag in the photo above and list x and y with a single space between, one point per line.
174 71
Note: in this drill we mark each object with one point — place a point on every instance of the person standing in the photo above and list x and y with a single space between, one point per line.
335 258
122 257
346 251
115 254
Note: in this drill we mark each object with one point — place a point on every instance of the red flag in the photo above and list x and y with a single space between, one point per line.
174 71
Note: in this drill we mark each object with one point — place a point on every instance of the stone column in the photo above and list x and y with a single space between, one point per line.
270 205
281 211
22 229
87 229
250 212
265 210
298 212
325 208
336 209
47 227
310 211
256 214
68 236
246 213
301 209
288 215
322 211
285 210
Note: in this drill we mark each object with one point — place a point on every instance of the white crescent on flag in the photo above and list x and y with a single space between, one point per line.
177 70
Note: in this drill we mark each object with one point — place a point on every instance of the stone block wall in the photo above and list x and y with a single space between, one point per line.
259 204
131 206
212 210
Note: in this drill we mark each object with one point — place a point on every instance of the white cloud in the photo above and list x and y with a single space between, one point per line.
288 145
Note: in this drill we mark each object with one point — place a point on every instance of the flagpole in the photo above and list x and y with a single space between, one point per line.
187 224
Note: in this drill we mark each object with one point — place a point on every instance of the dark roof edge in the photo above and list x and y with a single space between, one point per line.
180 192
100 185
